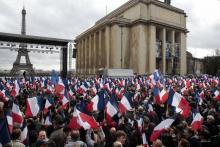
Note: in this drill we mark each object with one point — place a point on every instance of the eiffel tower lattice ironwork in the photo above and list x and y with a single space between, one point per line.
17 66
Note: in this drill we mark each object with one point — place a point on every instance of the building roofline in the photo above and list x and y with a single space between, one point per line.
131 3
111 17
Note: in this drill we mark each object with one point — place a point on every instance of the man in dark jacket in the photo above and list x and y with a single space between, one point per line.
58 136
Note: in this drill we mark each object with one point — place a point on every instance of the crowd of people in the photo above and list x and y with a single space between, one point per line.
111 112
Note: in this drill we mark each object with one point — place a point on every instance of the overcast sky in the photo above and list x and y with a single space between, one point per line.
68 18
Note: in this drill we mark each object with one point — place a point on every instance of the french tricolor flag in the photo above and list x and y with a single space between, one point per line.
47 121
155 77
86 121
165 124
98 102
178 101
3 96
197 122
74 122
65 101
16 114
217 95
111 110
124 105
160 96
163 96
60 88
15 90
47 106
144 140
10 121
32 107
24 132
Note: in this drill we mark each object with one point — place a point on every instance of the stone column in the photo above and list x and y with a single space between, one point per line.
152 49
164 50
142 50
87 55
77 56
90 55
80 56
172 49
83 57
182 53
107 46
95 52
116 48
103 51
100 56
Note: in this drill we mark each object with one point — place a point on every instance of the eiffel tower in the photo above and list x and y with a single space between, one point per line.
22 51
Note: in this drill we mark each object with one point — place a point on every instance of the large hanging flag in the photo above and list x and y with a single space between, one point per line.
32 107
165 124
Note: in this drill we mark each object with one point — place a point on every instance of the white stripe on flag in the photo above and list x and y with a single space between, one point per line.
126 103
164 124
33 103
95 101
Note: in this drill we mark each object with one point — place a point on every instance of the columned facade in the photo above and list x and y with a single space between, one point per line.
142 35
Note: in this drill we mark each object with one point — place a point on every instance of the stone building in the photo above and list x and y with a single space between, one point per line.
194 65
141 35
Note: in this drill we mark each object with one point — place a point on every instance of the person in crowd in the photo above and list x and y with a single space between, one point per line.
95 138
58 136
1 109
16 134
211 125
157 143
183 143
75 140
124 129
120 138
42 139
110 136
